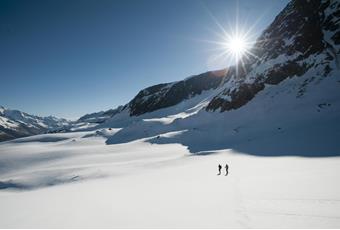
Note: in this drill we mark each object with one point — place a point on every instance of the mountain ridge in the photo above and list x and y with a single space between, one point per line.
302 43
15 124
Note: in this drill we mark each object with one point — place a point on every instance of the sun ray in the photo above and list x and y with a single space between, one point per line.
236 43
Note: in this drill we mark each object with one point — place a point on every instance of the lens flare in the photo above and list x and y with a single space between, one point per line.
235 44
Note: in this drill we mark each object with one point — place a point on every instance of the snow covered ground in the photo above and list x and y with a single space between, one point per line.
75 180
158 170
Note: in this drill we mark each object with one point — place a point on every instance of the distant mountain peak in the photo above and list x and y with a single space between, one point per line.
15 123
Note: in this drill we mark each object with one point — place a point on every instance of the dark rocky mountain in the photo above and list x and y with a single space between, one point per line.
304 36
169 94
101 116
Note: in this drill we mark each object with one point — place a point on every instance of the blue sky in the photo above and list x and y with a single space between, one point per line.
71 57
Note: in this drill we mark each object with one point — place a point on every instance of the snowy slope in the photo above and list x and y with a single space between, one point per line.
293 82
100 117
302 42
77 181
291 87
165 95
275 122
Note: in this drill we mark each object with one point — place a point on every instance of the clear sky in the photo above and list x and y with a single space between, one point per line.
71 57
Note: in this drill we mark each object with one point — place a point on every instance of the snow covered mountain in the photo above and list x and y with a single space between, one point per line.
304 39
295 65
14 124
100 117
169 94
293 84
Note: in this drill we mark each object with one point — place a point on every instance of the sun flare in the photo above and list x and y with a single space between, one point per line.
237 46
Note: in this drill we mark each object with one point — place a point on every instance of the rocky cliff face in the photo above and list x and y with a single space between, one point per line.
101 116
165 95
305 36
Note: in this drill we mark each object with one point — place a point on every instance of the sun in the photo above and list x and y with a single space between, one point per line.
234 43
236 46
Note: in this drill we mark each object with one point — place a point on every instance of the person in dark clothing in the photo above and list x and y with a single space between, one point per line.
219 169
226 169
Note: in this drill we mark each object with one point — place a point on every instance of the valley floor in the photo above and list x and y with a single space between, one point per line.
83 183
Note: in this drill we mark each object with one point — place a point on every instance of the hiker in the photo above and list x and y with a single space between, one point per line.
219 169
226 169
